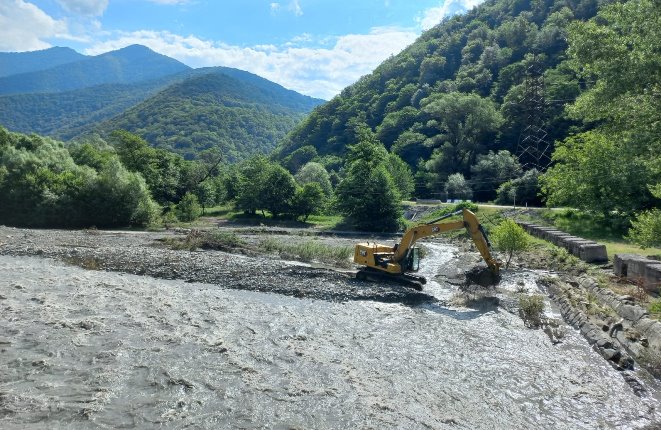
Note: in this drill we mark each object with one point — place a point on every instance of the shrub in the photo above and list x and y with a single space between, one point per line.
531 309
510 238
188 208
646 229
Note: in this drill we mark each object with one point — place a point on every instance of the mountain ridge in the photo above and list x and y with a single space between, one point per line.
213 109
131 64
13 63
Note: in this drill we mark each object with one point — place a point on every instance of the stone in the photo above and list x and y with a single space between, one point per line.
611 354
604 343
631 312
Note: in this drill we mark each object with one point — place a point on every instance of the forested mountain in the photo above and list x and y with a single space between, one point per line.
64 115
134 63
240 115
465 87
13 63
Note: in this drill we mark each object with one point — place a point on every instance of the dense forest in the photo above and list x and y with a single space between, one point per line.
215 110
461 90
483 104
549 101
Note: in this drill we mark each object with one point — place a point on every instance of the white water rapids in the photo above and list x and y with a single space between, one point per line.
88 349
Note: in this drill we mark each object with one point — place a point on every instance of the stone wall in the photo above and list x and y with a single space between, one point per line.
638 268
587 250
628 333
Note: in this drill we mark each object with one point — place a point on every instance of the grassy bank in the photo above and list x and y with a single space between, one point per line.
307 250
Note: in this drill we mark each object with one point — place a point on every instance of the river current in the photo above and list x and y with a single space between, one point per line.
89 349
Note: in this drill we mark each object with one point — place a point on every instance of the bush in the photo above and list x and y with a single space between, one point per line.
531 309
510 238
654 308
188 208
646 229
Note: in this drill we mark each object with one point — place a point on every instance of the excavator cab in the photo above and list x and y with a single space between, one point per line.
413 260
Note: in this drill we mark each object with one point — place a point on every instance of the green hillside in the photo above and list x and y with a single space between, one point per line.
63 115
461 90
241 117
134 63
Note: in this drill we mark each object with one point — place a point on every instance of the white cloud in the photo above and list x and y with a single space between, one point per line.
295 7
275 6
24 27
84 7
320 72
435 15
169 1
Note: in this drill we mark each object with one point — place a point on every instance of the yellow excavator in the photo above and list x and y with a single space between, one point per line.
384 262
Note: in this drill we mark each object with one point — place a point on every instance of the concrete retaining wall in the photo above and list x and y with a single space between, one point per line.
639 268
587 250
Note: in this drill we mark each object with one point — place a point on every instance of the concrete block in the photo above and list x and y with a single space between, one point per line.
620 263
652 279
550 234
593 253
573 245
558 238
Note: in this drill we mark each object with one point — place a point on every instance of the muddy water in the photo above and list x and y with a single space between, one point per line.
86 349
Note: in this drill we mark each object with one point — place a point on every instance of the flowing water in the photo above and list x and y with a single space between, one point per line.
89 349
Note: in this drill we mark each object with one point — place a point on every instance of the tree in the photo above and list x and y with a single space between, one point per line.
315 172
294 161
595 173
491 170
467 122
188 209
646 228
611 168
309 199
458 188
251 177
510 238
42 186
277 191
367 195
401 175
522 191
206 194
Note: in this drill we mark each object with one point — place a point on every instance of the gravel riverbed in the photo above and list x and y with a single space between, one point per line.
159 338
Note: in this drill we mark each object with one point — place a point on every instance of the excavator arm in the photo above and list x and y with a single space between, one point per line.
386 262
470 222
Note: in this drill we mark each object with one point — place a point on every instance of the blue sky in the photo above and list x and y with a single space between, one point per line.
316 47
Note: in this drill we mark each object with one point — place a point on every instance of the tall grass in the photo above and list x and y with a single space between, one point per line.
310 250
199 239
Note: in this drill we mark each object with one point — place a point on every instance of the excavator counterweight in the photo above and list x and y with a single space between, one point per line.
387 263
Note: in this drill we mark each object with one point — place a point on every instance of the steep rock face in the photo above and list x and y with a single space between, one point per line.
131 64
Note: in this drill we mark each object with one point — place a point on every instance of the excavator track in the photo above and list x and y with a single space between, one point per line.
410 281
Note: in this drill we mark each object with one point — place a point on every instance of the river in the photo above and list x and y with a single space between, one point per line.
90 349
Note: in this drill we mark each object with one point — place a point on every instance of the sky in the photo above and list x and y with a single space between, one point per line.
315 47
